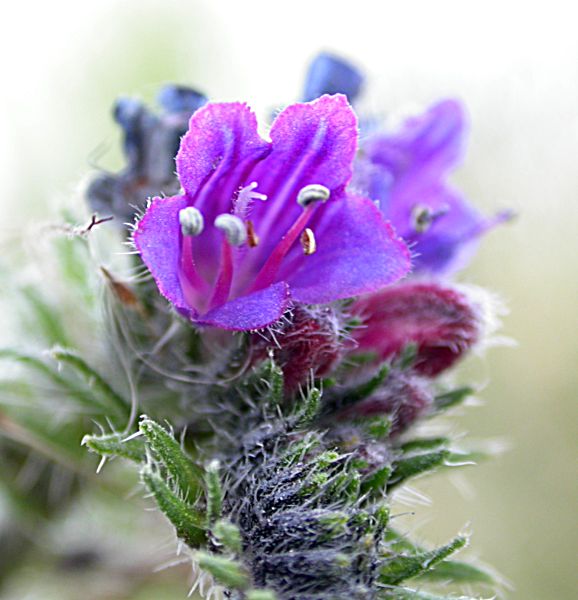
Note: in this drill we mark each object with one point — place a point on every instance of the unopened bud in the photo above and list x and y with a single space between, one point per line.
439 320
309 343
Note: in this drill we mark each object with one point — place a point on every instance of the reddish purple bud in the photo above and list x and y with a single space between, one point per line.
441 321
309 343
403 397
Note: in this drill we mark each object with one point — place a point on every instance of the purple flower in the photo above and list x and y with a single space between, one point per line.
261 224
406 171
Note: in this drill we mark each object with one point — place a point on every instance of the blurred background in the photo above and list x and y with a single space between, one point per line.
514 64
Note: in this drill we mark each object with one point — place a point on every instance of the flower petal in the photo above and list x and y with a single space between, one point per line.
313 143
254 311
221 137
357 252
430 143
157 238
316 140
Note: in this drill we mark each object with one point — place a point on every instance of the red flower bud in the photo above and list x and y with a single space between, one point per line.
308 344
440 320
402 396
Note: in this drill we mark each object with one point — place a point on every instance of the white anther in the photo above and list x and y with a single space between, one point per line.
313 193
192 221
233 228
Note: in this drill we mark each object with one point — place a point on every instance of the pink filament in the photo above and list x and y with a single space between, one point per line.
269 270
191 282
225 276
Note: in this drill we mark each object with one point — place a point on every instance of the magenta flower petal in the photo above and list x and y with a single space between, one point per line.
254 311
313 143
158 240
318 139
221 137
356 248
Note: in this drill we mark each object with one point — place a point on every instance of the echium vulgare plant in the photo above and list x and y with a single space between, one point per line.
286 333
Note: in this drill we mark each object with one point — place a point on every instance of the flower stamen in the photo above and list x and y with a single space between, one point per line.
235 234
252 237
233 228
308 242
313 193
423 216
309 197
192 221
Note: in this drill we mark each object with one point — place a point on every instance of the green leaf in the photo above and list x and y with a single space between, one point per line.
378 427
116 444
228 535
54 445
187 521
214 491
310 409
186 475
261 595
459 572
366 389
407 356
332 525
381 515
416 464
72 390
401 567
376 483
447 570
424 444
274 377
447 400
96 382
47 320
298 449
226 571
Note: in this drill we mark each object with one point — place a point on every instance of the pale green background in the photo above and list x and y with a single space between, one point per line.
513 63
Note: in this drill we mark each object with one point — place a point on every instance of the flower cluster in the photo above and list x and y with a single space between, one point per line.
262 225
334 256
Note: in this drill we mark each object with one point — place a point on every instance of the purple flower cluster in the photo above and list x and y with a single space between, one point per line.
261 225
